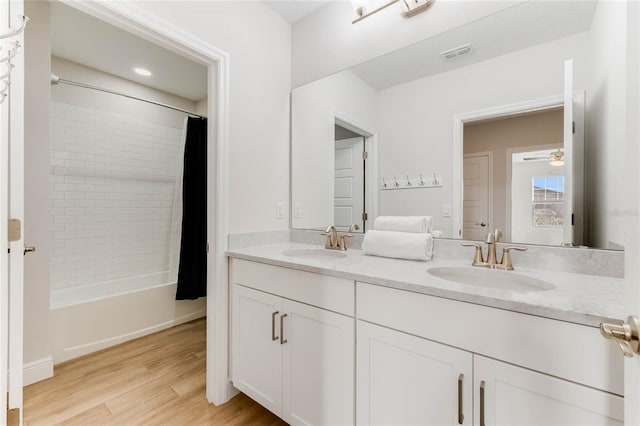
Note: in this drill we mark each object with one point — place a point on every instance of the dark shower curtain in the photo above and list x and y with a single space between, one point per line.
192 270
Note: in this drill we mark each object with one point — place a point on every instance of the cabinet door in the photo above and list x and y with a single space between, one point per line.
318 371
517 396
257 358
407 380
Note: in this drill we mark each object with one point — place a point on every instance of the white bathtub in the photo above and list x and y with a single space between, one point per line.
89 318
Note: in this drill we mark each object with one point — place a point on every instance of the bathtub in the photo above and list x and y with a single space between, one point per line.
88 318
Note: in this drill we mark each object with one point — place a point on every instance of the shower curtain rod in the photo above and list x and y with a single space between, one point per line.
57 80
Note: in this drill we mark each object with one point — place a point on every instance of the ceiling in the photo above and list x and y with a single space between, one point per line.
80 38
518 27
292 11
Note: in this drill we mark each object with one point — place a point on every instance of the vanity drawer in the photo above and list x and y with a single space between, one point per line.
566 350
334 294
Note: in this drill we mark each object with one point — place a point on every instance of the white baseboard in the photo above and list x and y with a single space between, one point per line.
37 370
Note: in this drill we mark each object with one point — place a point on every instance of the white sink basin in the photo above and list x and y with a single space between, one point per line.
493 278
315 254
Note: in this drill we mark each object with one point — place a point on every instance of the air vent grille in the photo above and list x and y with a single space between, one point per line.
456 51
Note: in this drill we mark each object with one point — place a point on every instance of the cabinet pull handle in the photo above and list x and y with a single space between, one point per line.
482 385
460 415
273 326
282 339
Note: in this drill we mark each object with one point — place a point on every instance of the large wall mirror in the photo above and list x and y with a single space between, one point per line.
519 126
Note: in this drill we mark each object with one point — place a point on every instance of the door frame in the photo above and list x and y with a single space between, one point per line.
370 146
140 22
489 155
459 120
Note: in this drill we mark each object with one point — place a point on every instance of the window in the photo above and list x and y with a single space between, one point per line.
548 201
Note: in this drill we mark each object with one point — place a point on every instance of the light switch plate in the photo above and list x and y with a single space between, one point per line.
279 209
446 210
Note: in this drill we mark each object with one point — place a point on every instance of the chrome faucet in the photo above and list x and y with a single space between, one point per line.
492 259
337 241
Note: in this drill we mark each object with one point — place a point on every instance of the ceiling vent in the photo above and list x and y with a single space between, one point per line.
456 51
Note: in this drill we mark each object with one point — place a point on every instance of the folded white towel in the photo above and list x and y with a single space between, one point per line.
403 223
399 245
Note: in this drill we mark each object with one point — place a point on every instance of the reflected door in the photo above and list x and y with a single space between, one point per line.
348 191
475 202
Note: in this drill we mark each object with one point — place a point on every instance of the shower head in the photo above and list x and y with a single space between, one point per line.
54 79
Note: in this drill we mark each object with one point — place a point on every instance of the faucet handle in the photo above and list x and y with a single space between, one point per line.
478 260
506 257
354 227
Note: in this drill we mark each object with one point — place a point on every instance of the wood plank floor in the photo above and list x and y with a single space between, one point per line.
154 380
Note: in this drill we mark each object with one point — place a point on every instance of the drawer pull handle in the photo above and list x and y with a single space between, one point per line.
273 326
460 415
282 339
482 386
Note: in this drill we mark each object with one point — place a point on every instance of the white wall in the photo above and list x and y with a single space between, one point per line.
606 101
36 221
341 44
428 106
314 108
259 46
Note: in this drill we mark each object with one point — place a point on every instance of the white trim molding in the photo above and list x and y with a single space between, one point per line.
459 120
37 370
126 15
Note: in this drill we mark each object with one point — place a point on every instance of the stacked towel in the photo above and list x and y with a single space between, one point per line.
399 245
419 224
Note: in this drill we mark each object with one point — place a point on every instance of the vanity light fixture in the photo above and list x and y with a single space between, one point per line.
409 7
142 71
557 162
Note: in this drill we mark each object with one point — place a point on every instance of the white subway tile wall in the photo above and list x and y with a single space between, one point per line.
111 189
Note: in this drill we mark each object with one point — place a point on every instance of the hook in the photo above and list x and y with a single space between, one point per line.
6 87
384 184
23 25
10 66
12 52
421 183
408 181
395 182
2 97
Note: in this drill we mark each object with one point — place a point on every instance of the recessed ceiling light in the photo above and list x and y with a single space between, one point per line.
142 71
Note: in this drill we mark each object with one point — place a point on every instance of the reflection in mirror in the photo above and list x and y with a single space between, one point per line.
409 100
349 180
494 196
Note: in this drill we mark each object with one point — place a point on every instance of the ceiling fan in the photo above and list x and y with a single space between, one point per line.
555 158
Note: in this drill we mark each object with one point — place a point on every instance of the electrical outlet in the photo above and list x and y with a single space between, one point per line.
297 210
279 209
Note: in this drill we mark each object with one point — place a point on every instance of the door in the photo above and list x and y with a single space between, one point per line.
12 206
403 379
318 372
348 193
476 196
257 346
508 395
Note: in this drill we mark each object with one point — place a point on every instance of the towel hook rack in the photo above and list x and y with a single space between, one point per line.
10 66
12 52
23 24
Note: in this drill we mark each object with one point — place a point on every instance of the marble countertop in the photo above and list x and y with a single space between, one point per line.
576 298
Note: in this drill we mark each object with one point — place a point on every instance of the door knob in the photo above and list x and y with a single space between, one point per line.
29 249
627 334
482 224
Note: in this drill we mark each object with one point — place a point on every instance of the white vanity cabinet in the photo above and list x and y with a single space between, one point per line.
296 359
407 380
510 395
549 373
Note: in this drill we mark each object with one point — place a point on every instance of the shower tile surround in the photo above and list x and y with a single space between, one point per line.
111 192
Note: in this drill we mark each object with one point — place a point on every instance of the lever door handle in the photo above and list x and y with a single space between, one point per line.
28 249
627 335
